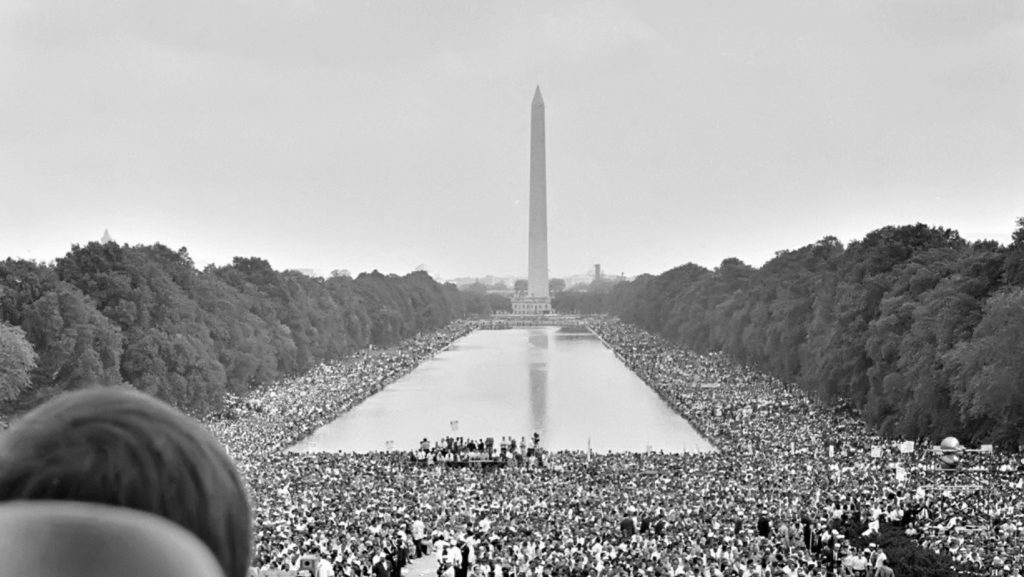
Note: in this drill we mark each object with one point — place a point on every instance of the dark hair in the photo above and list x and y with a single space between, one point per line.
121 447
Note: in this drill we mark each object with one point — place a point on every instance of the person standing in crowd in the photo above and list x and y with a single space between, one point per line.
419 538
875 559
660 524
628 525
465 561
764 525
453 557
806 534
401 554
784 536
645 522
380 566
324 568
859 563
121 447
884 570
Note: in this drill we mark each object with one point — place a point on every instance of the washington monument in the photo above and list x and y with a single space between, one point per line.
538 202
537 299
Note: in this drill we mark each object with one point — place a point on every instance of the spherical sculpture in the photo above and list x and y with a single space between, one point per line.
950 445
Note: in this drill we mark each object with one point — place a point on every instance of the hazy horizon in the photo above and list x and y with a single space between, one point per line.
1003 238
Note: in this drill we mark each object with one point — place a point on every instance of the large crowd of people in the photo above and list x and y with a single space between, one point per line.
794 488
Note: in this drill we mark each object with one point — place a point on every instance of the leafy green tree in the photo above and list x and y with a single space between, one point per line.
990 370
241 339
430 308
272 298
925 402
1013 267
484 304
168 351
388 309
108 313
894 323
476 303
816 369
888 391
77 346
17 361
788 289
499 303
659 300
580 302
624 299
866 272
354 320
22 282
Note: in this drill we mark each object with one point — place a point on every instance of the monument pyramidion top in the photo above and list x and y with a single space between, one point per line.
538 100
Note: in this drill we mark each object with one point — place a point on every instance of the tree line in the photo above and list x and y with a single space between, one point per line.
913 327
144 316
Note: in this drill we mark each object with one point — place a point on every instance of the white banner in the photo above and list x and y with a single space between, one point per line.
907 447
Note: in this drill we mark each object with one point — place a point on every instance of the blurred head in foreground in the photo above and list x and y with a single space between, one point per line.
124 448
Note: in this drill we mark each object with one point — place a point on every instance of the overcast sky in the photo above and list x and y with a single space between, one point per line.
325 134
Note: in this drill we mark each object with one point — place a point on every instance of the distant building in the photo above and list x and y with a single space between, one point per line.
528 305
107 238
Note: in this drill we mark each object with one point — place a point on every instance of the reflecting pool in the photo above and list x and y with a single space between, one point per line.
564 384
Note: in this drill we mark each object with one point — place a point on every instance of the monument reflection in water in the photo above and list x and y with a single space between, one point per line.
567 386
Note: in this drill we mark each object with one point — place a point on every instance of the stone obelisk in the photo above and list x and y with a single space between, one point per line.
538 280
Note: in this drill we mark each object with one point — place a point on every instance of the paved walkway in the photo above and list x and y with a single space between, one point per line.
422 567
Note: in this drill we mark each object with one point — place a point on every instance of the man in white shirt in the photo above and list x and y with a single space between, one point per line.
441 551
419 535
324 568
880 559
859 564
